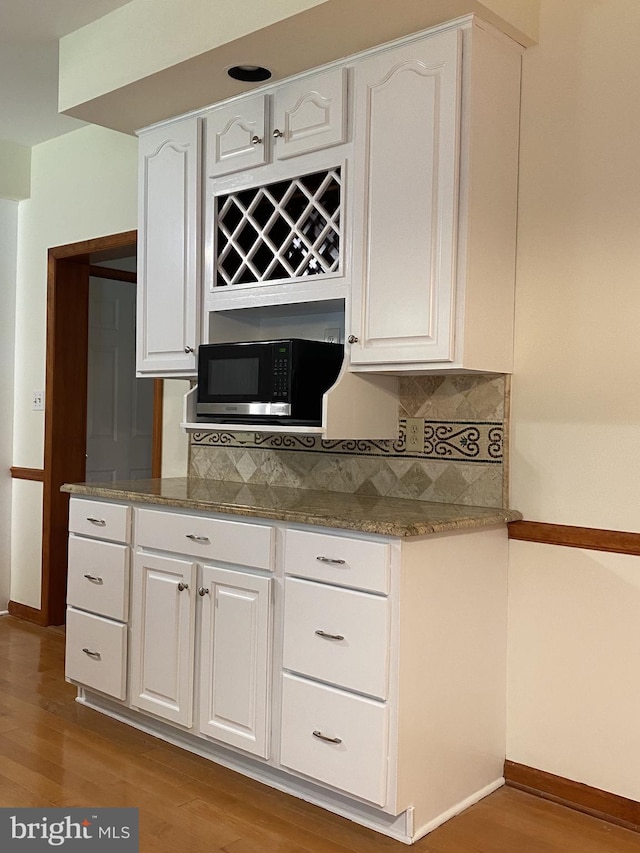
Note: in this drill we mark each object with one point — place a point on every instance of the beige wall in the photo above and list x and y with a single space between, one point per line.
8 255
83 186
153 59
574 698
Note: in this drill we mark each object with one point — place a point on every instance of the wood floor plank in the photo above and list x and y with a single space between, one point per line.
54 751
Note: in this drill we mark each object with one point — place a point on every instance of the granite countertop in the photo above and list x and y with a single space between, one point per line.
387 516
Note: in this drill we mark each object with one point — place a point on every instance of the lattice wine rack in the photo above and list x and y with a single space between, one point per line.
280 231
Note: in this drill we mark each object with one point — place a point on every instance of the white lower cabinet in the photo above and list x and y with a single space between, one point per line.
235 659
162 636
335 737
98 596
362 672
201 633
96 652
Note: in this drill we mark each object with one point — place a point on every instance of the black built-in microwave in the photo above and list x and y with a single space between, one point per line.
266 382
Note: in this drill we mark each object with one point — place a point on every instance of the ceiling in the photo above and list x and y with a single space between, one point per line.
29 33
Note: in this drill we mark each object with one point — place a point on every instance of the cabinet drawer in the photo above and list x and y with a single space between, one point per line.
357 761
101 520
98 578
96 653
352 648
206 538
338 559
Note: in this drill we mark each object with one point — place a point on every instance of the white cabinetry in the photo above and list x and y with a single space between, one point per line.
162 636
230 646
308 114
235 659
275 211
98 596
364 673
436 132
393 680
168 321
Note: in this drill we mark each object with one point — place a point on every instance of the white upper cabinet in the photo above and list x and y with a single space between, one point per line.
436 133
387 183
299 117
236 136
405 197
309 114
169 249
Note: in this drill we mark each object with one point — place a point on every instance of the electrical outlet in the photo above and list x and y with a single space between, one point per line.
332 336
37 403
414 440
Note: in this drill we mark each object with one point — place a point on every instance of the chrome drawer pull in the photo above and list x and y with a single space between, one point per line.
94 579
331 560
91 654
99 521
320 736
195 538
182 586
330 636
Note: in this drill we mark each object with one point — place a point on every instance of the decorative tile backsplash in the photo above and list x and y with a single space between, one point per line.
461 420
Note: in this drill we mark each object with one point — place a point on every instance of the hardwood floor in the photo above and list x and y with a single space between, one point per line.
55 752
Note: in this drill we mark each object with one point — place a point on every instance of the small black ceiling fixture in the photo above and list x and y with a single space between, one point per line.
249 73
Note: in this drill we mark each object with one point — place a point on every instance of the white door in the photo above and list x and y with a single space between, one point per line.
162 637
235 659
119 406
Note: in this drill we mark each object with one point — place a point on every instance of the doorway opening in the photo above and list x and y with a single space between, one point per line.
70 268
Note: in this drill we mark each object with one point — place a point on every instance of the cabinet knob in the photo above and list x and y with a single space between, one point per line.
277 133
182 586
203 591
352 339
188 350
256 140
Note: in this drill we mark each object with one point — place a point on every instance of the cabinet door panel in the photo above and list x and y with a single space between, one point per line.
407 129
168 248
236 136
235 660
162 625
310 114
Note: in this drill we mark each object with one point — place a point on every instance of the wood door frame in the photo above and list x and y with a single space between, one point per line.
66 402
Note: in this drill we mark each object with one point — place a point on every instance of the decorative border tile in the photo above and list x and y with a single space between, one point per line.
450 440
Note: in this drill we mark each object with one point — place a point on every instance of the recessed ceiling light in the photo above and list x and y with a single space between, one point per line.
249 73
